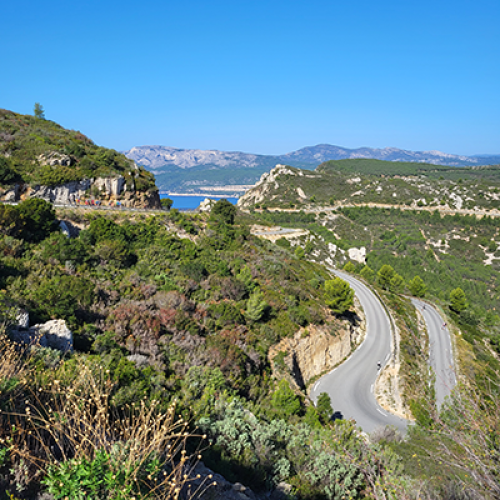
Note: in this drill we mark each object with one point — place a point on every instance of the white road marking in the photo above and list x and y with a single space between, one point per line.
383 413
315 386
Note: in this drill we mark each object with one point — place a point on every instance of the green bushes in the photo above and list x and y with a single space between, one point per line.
31 220
339 296
28 138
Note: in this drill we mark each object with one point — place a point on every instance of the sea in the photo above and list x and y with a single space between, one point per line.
192 202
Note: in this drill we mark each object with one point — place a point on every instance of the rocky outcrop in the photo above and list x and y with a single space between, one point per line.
316 349
111 191
111 186
54 158
66 194
206 205
54 334
69 229
357 254
267 183
141 199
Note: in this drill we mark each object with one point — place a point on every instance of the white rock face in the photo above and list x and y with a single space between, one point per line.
23 319
65 194
54 158
53 333
354 180
357 254
110 185
457 199
206 205
332 249
267 182
301 193
68 193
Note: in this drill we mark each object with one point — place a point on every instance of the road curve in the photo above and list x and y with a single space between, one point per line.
440 351
350 385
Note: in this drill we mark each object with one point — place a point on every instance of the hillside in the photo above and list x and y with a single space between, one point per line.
428 223
192 169
357 182
189 337
36 153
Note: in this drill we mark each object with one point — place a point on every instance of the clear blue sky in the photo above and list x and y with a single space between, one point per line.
258 76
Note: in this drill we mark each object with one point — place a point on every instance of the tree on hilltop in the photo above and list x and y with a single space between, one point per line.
38 111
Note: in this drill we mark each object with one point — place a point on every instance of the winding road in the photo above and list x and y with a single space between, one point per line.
440 351
350 385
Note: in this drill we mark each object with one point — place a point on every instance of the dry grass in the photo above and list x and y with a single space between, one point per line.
13 367
76 421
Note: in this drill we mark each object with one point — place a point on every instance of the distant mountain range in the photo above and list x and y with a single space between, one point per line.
217 168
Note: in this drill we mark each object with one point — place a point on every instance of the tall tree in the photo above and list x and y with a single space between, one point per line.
38 111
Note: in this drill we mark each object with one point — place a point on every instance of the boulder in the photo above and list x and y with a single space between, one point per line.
54 158
23 318
358 254
206 205
53 333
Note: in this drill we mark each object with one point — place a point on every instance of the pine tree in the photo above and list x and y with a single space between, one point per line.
458 300
38 111
339 296
417 287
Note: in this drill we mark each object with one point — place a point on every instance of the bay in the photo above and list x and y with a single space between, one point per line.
192 202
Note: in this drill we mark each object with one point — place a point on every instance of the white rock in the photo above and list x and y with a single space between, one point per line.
206 205
53 333
301 193
357 254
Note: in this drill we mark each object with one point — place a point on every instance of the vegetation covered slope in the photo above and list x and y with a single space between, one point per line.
356 182
29 143
181 309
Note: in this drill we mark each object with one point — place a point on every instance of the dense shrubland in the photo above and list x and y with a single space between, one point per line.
24 138
162 322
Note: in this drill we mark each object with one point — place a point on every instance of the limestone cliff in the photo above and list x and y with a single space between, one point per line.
107 191
268 183
315 350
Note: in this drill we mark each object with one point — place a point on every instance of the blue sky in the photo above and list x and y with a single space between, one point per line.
258 76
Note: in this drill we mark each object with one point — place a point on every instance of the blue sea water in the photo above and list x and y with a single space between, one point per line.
191 202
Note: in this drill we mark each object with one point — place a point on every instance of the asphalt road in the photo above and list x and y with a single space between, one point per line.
440 351
350 385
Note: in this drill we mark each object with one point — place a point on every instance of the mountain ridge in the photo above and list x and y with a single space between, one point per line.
156 157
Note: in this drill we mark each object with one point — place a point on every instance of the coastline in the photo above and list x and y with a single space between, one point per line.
206 195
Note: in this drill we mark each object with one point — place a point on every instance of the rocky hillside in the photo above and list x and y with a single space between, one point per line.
39 158
358 182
